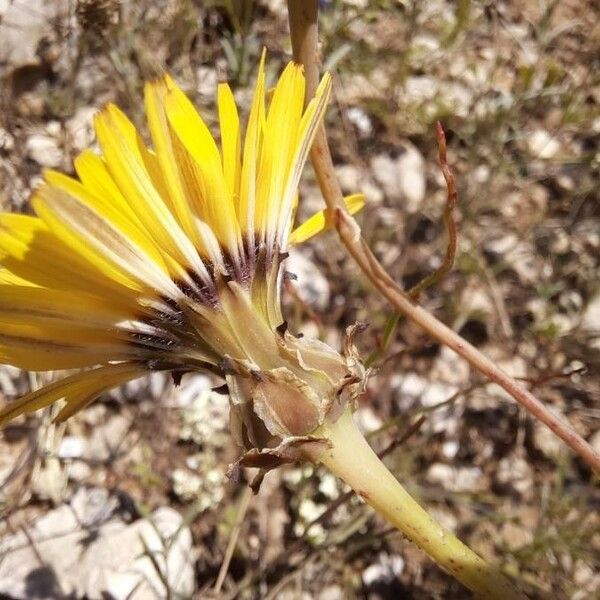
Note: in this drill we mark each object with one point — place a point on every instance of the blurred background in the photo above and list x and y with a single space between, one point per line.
130 498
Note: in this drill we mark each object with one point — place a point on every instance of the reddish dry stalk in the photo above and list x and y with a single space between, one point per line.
304 33
414 292
451 200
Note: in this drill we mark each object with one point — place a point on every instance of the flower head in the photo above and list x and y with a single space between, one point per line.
169 258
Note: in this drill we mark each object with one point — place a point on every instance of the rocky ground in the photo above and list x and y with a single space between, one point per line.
130 498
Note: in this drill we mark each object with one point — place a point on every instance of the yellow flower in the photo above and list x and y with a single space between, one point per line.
169 258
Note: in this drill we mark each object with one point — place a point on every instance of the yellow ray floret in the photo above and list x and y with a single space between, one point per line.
252 141
230 142
78 390
319 222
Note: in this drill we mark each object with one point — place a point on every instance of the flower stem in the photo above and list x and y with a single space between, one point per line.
352 459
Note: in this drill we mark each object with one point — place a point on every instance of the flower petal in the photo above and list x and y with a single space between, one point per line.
229 121
252 141
155 94
306 133
84 386
128 161
318 222
278 149
90 234
200 162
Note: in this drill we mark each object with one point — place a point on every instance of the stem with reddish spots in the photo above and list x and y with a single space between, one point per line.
351 458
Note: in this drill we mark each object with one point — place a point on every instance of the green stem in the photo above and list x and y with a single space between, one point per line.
352 459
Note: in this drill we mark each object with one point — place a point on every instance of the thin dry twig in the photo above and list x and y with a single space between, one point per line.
448 262
304 33
233 538
497 298
548 377
449 221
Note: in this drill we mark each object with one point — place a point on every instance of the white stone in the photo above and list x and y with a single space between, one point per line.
426 42
8 375
542 145
71 447
80 127
23 25
331 592
44 150
515 471
456 479
367 419
566 182
107 437
176 560
451 369
87 555
359 86
206 419
354 180
54 128
308 511
450 449
411 384
207 81
78 471
572 302
587 580
458 97
290 593
191 387
279 7
49 480
93 505
515 535
419 88
361 120
516 367
329 486
204 485
501 245
481 174
159 386
436 393
562 324
385 570
475 299
591 316
311 285
526 262
293 476
547 442
403 178
7 142
94 415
